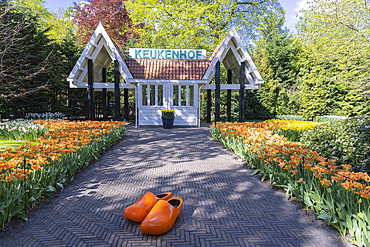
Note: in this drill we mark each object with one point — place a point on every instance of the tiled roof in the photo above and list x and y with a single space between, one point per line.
166 69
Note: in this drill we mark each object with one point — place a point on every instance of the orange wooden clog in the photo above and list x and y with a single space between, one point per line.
138 211
162 216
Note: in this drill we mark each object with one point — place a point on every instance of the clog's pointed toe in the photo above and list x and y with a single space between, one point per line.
138 211
162 216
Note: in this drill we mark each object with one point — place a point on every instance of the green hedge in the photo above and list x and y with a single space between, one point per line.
347 141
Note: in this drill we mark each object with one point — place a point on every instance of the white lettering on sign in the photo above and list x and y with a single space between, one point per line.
166 53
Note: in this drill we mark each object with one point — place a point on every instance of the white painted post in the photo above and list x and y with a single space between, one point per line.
148 95
136 101
200 88
187 95
156 95
179 87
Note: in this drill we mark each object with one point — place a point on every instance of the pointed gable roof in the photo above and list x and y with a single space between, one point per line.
102 50
232 52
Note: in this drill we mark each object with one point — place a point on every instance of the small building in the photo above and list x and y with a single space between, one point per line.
164 78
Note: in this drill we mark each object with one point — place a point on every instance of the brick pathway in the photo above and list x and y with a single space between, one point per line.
224 205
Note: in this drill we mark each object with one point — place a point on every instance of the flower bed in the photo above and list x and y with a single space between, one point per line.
339 196
291 129
31 172
22 130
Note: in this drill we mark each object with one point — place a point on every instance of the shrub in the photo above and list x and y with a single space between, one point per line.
347 141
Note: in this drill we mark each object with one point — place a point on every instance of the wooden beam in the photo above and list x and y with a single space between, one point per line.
228 107
241 92
217 93
117 106
90 89
104 101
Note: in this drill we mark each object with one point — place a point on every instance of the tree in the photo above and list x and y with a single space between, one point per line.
113 16
335 67
24 54
276 58
57 24
200 24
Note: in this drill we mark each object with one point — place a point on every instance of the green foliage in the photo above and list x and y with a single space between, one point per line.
56 24
196 24
276 59
181 24
25 54
10 144
347 141
292 135
335 59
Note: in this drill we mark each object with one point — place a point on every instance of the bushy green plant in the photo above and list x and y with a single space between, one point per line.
22 130
347 141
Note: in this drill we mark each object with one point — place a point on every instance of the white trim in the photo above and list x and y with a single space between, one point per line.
136 100
223 49
148 95
156 95
187 95
108 44
200 88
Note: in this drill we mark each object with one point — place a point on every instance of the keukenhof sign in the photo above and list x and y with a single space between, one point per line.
167 53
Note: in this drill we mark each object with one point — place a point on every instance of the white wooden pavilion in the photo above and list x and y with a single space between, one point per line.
164 83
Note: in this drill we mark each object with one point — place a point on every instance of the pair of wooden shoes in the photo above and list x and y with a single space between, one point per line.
157 213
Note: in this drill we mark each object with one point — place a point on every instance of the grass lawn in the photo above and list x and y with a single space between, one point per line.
10 144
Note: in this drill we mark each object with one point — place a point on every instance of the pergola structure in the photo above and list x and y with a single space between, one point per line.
164 83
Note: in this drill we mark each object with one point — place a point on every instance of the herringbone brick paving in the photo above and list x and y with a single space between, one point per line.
224 205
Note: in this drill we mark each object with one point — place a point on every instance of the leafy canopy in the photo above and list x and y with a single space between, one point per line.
194 23
57 25
180 24
335 63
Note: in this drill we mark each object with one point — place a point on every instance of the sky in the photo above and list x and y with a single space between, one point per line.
53 5
291 7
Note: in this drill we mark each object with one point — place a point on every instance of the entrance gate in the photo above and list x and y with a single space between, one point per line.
156 96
